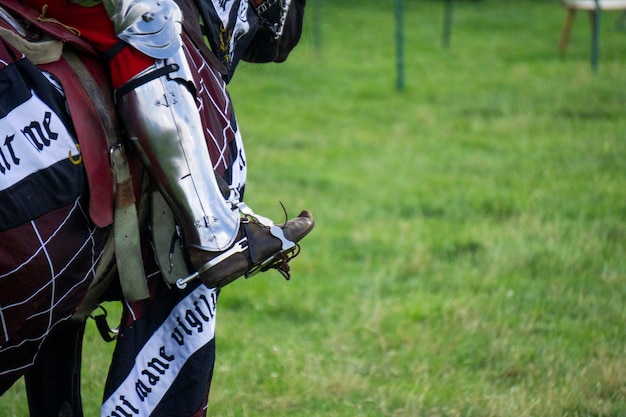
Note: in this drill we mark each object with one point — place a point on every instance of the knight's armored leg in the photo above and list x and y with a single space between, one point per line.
163 124
225 240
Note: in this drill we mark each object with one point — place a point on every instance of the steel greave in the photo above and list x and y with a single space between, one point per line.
164 127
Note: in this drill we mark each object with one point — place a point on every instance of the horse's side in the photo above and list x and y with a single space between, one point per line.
50 259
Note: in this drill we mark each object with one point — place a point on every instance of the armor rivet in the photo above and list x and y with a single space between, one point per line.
148 17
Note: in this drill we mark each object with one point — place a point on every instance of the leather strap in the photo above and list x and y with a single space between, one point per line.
125 220
136 82
55 30
126 232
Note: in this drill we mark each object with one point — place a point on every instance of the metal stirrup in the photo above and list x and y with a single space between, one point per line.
239 247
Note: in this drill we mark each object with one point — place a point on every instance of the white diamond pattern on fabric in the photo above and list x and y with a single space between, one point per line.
55 294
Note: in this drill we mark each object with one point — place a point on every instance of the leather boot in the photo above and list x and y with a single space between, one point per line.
260 251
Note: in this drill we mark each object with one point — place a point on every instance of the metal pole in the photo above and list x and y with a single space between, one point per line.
595 35
447 24
317 25
400 44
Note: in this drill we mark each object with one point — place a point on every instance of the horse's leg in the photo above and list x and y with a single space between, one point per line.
53 383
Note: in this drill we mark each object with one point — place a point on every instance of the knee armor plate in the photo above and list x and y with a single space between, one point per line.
151 26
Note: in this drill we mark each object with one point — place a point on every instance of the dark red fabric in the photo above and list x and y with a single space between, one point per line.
97 29
45 269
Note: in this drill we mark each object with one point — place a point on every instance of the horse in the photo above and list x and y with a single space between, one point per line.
77 189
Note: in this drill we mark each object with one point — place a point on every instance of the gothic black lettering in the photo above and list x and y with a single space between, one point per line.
5 164
128 404
121 410
193 321
35 134
178 337
193 318
223 4
46 124
210 307
142 390
199 311
242 160
158 365
164 355
180 323
152 379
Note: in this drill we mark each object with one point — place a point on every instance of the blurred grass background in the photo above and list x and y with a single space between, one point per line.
469 254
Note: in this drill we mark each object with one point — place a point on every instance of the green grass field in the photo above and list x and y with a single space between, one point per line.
469 258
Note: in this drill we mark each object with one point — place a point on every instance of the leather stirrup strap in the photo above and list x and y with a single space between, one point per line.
125 224
126 232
